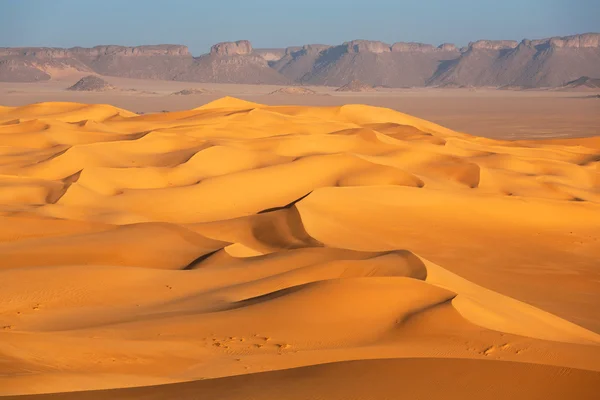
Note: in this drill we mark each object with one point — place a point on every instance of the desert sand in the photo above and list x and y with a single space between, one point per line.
497 114
238 250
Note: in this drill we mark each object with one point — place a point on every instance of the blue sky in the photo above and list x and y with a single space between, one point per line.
281 23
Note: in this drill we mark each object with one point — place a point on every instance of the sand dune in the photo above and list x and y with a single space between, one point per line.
280 251
408 378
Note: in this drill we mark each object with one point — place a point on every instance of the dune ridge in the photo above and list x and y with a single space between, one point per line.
254 243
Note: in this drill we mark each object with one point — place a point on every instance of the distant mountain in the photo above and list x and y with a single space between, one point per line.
232 62
551 62
299 61
377 64
143 62
148 62
532 63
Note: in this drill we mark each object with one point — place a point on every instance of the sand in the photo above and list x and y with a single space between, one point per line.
239 250
498 114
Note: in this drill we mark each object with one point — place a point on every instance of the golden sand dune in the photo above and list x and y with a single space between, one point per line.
315 252
403 378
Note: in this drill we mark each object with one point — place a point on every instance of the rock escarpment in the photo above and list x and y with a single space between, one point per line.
241 47
549 62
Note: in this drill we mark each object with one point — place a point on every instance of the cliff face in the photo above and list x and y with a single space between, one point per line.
529 63
299 60
372 62
367 46
150 62
493 44
587 40
234 62
142 62
13 70
547 62
241 47
404 65
49 52
237 68
402 47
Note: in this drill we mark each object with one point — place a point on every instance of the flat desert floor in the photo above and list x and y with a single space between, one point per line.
499 114
240 250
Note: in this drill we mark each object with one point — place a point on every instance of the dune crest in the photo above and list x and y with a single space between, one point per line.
248 242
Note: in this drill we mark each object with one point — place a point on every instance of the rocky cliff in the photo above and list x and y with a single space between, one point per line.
299 61
374 63
548 62
366 46
150 62
42 53
493 44
237 68
587 40
241 47
233 62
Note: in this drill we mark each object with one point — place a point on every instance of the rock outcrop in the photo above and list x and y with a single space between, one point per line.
241 47
367 46
412 47
586 40
493 44
375 64
550 62
142 62
91 83
149 62
311 48
298 61
403 47
158 50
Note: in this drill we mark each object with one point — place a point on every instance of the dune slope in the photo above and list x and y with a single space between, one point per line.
409 378
258 251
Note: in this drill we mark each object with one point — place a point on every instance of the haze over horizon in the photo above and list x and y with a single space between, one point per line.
271 24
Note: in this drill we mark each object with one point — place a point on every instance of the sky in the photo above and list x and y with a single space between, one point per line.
281 23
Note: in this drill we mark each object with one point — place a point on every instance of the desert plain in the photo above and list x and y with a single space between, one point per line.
237 244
